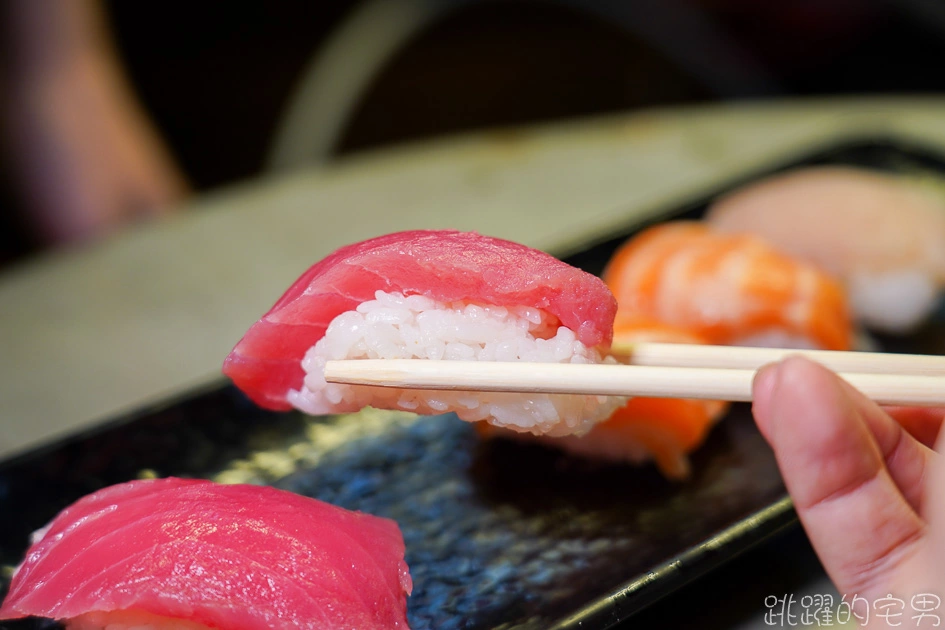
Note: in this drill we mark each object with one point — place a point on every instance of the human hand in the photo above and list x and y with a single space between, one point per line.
870 496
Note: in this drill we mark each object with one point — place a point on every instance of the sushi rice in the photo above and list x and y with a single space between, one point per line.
395 326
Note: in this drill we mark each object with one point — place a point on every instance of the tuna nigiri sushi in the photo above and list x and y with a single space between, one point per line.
438 295
662 430
175 553
729 289
882 236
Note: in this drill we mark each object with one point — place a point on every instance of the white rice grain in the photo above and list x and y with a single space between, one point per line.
393 326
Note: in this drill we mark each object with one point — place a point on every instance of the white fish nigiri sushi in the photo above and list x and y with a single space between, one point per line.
882 236
195 555
435 295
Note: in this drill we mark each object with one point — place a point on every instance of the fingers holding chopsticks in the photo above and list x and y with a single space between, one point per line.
856 477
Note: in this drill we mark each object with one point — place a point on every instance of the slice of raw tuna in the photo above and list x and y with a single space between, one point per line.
239 557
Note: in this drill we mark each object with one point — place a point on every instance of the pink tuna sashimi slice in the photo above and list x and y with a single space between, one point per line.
239 557
446 266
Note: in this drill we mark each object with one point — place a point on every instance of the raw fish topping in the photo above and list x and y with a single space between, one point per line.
729 289
882 235
238 557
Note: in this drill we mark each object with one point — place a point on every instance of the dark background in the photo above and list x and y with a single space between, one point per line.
216 76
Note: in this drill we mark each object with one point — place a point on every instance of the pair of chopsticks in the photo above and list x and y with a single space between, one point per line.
658 370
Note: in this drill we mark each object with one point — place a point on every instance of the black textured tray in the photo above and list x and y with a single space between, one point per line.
500 534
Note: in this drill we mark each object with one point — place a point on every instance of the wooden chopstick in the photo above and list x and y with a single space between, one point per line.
611 380
736 357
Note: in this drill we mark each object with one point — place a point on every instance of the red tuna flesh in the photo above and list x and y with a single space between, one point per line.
239 557
443 265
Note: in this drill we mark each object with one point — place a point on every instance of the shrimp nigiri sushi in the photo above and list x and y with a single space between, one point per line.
193 554
437 295
662 430
883 237
729 289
